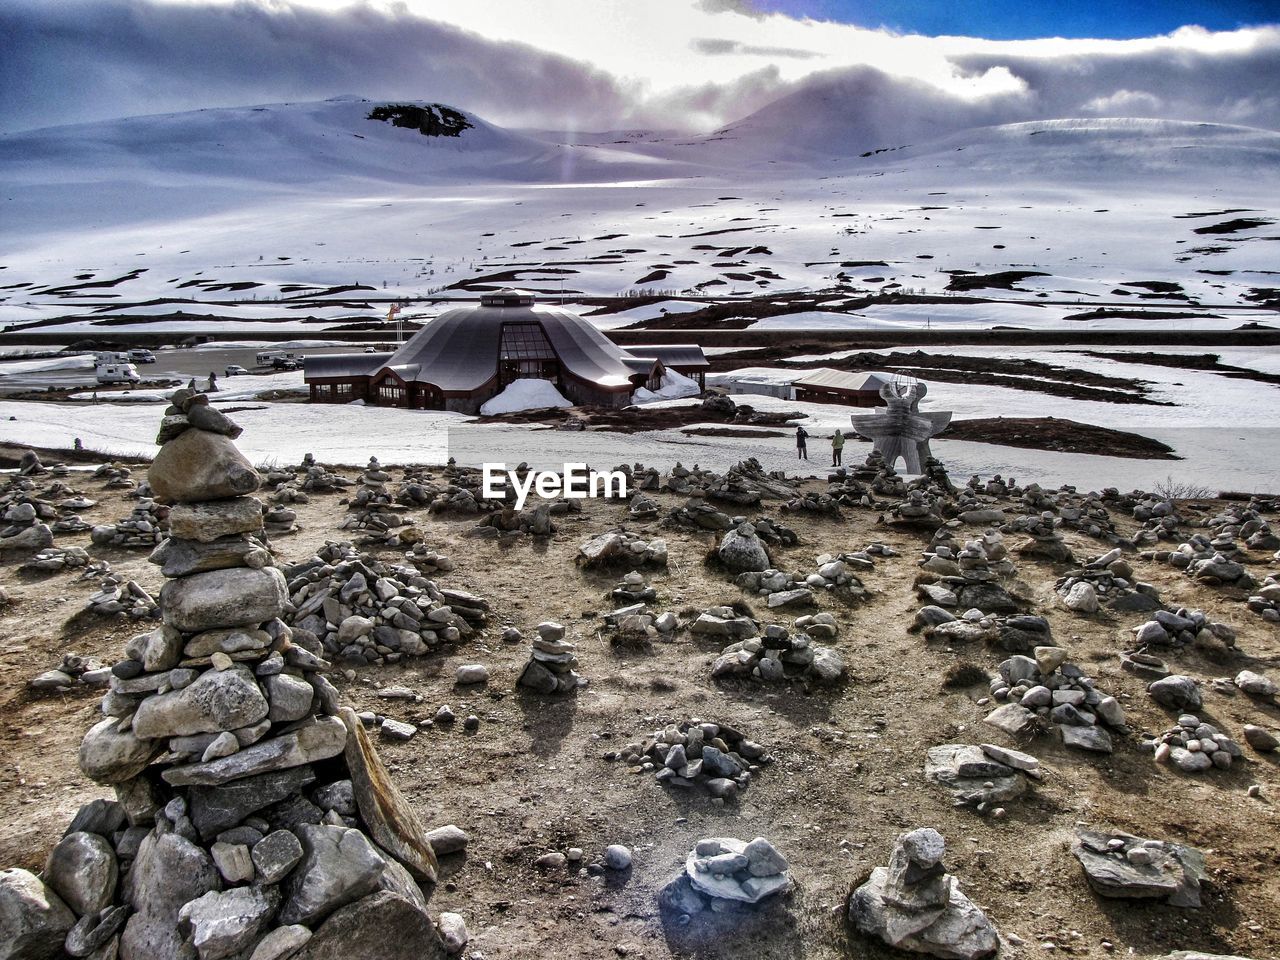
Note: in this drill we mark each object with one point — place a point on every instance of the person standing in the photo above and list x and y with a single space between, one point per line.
802 450
837 447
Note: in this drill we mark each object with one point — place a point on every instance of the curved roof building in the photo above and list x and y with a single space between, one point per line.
468 354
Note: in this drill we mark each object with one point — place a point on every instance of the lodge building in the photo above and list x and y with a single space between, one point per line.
469 354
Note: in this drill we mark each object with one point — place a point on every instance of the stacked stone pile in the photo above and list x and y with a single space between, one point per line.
847 491
696 753
636 624
114 476
70 522
1106 580
886 482
118 596
642 508
918 510
698 514
316 479
22 523
981 777
914 904
1214 562
1239 522
366 611
1266 602
427 560
722 873
1021 633
724 623
1049 691
1194 746
965 588
57 559
532 521
997 486
29 464
1129 867
253 817
372 507
777 654
72 671
552 660
781 589
1182 628
633 588
1045 539
979 560
624 549
811 502
972 509
145 527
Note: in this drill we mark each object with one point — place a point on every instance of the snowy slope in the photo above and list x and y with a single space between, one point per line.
260 207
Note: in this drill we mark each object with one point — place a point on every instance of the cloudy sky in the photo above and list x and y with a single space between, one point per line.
692 65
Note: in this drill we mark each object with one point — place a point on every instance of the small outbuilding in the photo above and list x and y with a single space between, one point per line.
469 354
825 385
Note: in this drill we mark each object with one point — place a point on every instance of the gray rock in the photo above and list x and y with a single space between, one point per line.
453 932
617 857
383 926
199 465
741 550
281 943
1255 684
290 697
223 924
1094 739
1261 739
233 862
276 854
1176 692
211 520
217 701
33 919
317 740
339 865
1012 718
178 558
215 809
109 756
168 872
223 598
447 839
471 673
81 868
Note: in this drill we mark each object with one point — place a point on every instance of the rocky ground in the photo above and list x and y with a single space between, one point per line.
847 770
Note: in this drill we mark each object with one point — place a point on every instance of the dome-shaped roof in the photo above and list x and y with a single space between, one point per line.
461 348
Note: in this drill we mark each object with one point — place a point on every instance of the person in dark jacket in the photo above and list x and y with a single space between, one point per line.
802 436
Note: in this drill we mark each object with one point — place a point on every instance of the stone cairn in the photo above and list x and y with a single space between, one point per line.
1266 602
1180 629
981 777
914 904
1125 866
22 525
1058 694
722 873
551 662
115 476
695 752
57 559
367 611
1106 580
775 655
624 549
1194 746
117 596
253 816
144 527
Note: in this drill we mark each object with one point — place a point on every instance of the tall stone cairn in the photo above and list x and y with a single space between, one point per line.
253 818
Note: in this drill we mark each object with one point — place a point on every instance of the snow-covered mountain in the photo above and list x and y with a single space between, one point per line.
268 204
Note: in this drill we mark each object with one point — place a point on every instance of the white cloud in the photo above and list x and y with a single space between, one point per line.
695 64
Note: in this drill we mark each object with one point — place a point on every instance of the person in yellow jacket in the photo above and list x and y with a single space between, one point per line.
837 447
